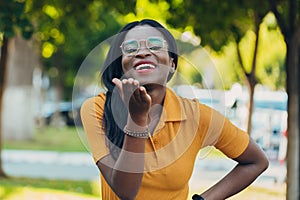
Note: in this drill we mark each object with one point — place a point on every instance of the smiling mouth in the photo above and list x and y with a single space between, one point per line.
143 68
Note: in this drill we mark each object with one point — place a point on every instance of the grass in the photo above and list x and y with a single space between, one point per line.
275 192
14 188
64 139
26 188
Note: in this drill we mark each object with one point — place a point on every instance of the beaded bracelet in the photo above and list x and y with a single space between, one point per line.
144 134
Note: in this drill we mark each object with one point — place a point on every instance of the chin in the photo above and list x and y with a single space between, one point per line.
152 81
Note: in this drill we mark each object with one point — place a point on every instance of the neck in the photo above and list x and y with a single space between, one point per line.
157 93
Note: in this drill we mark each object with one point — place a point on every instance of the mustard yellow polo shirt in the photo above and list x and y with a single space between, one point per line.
184 127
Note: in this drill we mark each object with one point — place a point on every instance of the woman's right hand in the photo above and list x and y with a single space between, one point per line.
136 98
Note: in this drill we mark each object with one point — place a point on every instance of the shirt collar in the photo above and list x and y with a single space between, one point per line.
173 108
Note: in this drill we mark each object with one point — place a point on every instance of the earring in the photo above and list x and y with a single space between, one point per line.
172 70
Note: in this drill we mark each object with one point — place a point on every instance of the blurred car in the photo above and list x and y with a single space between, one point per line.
65 112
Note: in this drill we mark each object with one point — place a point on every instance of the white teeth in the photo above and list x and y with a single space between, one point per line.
145 66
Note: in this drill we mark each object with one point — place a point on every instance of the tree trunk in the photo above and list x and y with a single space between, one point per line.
251 105
292 82
3 66
291 32
18 120
251 79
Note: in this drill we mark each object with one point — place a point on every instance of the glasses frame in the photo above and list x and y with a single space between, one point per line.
165 46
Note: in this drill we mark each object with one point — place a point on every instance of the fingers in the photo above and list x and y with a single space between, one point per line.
130 88
119 86
118 83
125 84
129 85
126 87
143 94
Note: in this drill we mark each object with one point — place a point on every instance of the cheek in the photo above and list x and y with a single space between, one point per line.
165 58
125 64
126 67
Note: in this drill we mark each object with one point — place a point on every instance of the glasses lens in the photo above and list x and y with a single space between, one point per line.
130 47
155 43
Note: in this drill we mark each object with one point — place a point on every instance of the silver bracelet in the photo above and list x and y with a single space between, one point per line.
144 134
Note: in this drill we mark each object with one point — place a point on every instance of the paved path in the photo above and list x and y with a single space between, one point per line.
49 164
80 166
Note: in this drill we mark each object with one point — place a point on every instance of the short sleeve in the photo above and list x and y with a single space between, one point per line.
221 133
232 141
91 115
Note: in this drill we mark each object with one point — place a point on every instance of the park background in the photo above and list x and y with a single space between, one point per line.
247 50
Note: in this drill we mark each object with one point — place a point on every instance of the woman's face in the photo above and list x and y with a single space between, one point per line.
145 56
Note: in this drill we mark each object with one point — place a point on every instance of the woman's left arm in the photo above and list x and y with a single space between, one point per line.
251 163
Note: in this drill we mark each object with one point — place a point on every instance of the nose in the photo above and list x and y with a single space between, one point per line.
143 50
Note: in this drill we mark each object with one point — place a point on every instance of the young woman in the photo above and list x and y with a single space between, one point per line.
144 138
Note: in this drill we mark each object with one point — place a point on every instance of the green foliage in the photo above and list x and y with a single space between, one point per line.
270 69
122 7
208 19
287 15
228 66
221 23
271 58
13 18
67 32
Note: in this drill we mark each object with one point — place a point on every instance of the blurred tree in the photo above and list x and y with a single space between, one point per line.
13 20
287 14
218 23
270 65
270 69
68 31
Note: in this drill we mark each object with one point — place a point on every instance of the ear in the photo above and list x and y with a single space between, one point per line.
172 63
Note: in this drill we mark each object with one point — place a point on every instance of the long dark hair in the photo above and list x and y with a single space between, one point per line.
115 112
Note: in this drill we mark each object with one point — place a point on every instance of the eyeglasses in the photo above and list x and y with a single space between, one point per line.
153 44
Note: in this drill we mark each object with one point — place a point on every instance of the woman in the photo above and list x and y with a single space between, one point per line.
144 138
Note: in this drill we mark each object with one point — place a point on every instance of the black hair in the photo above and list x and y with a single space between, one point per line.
115 112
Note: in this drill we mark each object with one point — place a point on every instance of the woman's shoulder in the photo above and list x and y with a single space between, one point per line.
97 101
193 107
189 102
